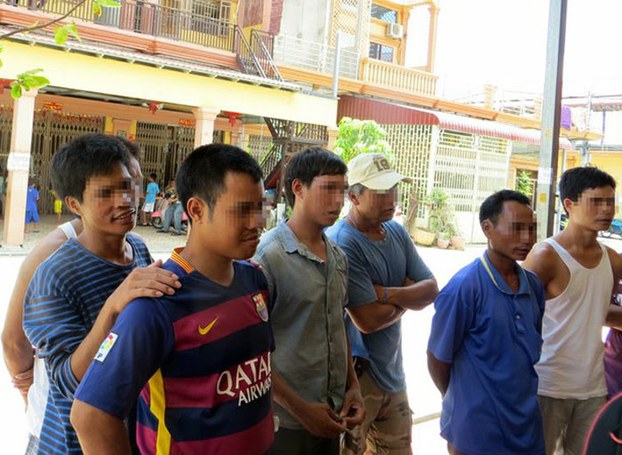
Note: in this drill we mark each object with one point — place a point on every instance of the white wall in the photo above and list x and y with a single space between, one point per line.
306 19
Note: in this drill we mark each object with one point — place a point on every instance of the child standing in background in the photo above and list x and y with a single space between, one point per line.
58 206
32 214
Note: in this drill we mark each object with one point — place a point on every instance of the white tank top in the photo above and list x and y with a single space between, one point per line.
68 230
571 365
38 391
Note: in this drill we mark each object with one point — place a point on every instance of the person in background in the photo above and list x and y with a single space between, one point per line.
150 198
174 211
32 212
58 206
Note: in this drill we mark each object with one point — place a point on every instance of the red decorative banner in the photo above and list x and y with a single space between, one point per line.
52 106
233 116
187 122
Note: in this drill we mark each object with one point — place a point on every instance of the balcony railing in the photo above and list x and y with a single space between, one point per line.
289 50
147 18
395 76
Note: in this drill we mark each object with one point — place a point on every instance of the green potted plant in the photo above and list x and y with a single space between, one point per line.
441 218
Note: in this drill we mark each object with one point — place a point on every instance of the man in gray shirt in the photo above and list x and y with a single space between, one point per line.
315 389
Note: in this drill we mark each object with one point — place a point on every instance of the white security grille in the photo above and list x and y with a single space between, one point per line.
470 168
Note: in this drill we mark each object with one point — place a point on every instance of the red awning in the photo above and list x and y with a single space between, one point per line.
393 114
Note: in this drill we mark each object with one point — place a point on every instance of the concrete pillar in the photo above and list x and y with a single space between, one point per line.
332 137
122 127
432 38
537 108
204 130
18 166
235 138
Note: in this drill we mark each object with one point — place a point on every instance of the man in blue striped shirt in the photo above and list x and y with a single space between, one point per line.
77 293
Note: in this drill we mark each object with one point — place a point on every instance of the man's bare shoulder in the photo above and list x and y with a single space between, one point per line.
542 260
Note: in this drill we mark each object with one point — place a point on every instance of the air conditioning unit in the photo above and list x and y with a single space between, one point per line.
395 31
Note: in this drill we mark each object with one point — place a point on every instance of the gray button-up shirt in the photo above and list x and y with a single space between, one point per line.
308 297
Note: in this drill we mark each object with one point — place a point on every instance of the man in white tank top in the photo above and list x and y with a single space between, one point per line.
578 274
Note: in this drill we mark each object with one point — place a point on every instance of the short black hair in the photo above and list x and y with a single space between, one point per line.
311 163
135 149
82 158
153 175
492 206
203 172
576 180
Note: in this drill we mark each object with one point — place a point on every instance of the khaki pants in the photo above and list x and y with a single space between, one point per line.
387 428
567 423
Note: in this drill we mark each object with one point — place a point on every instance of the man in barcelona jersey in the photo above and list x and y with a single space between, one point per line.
199 361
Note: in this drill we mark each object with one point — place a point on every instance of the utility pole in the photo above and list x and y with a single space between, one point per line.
551 113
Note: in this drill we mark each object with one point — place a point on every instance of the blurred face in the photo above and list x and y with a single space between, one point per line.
109 202
594 209
137 176
322 200
514 233
376 206
232 230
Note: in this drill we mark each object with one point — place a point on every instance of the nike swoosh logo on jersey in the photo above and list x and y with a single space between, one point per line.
207 328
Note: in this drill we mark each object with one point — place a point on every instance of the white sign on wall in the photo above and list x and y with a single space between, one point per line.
18 162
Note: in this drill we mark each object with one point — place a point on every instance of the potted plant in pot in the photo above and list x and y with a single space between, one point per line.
455 237
441 218
442 240
417 228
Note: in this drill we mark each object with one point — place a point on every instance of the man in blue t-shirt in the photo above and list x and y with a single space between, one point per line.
150 198
199 361
386 278
75 295
486 338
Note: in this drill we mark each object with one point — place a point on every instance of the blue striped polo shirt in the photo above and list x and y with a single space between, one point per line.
61 305
198 362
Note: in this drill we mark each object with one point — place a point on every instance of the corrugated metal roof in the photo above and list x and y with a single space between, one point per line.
394 114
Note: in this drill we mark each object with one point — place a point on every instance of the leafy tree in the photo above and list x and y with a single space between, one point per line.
525 183
361 136
32 78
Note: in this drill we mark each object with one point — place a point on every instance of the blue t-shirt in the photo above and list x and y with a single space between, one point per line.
200 362
388 263
492 338
31 199
152 191
61 305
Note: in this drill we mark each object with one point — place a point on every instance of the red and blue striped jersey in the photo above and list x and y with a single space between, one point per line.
198 362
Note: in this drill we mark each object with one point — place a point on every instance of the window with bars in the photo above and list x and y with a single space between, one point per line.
381 52
210 17
384 14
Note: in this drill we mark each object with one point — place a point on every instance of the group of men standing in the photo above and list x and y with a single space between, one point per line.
299 350
517 351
